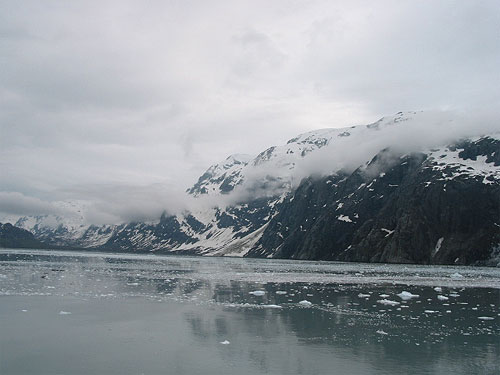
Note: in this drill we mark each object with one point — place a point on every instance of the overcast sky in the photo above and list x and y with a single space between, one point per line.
140 97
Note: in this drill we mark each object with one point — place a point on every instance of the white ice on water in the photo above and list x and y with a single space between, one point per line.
272 306
257 292
64 313
405 296
225 342
388 302
305 303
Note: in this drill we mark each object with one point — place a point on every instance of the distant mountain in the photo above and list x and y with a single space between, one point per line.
440 207
353 194
13 237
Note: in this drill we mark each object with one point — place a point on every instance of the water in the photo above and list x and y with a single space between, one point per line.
97 313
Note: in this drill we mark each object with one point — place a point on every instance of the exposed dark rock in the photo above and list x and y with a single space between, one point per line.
14 237
397 209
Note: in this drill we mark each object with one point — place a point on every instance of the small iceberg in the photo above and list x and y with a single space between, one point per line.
380 332
438 289
257 293
225 342
485 318
305 303
405 296
272 306
388 302
280 292
442 298
383 295
456 275
362 295
64 313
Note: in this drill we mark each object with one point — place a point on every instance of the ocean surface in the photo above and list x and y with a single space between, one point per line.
99 313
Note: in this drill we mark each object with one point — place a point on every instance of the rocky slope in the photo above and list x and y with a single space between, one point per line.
13 237
333 194
440 207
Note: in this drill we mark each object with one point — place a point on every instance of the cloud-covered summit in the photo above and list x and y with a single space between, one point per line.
107 102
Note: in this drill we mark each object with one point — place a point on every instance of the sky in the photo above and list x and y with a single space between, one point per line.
127 103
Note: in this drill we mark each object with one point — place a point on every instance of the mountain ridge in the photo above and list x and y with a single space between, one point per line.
256 194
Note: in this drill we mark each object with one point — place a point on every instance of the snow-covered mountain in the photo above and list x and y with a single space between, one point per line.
255 206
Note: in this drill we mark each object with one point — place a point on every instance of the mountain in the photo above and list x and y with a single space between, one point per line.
440 207
373 193
13 237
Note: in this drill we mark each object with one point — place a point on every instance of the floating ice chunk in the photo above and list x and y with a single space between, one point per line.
225 342
347 219
280 292
305 303
24 310
405 296
456 275
485 317
272 306
454 295
380 332
64 313
383 295
362 295
257 293
448 311
438 289
442 298
132 284
388 302
430 311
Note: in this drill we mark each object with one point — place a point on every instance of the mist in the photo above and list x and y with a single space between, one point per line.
123 104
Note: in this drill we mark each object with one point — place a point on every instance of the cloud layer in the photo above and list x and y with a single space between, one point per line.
126 96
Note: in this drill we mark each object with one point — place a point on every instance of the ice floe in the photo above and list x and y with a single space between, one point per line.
388 302
257 292
405 296
272 306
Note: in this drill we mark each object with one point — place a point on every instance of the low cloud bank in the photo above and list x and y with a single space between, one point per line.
106 204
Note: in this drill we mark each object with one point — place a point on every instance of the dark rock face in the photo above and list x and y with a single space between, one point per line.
397 209
11 236
440 206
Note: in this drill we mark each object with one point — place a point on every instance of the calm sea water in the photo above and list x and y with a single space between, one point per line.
97 313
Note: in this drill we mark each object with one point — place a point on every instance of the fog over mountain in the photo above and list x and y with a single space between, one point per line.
118 107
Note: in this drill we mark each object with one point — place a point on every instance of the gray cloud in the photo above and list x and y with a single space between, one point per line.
17 204
129 94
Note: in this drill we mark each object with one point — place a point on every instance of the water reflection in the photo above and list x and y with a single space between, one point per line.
154 309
